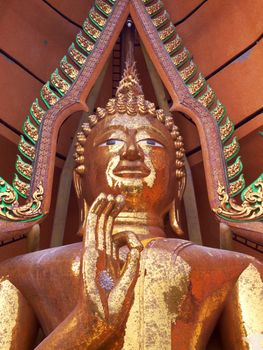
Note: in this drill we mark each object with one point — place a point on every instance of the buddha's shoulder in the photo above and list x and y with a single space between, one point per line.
56 259
202 259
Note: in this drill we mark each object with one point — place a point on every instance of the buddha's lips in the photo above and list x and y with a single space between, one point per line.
131 171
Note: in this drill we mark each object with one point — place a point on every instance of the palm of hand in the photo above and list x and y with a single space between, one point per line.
107 290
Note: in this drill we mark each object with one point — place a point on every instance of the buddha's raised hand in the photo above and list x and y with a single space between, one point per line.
107 290
106 293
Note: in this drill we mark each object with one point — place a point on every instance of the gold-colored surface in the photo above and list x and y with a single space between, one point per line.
188 71
133 184
85 43
197 85
32 208
165 33
159 293
236 186
21 186
218 112
50 97
180 58
77 56
208 97
24 168
226 129
37 111
250 289
174 44
152 9
234 168
243 315
130 102
68 69
10 208
75 267
99 19
62 85
31 130
90 29
231 149
108 293
161 19
106 8
250 209
8 313
26 148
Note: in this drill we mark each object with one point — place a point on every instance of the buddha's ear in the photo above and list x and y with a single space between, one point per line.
181 187
77 183
174 213
83 207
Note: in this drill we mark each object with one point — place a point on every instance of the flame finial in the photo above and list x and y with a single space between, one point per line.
130 83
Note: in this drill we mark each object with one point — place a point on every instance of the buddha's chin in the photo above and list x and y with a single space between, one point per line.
128 186
136 192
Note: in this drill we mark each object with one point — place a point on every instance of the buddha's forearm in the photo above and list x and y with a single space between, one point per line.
78 331
18 325
242 322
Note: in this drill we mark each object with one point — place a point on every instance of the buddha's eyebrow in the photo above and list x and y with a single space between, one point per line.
151 128
107 130
125 129
116 127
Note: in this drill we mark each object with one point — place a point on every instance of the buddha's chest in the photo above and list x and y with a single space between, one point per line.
164 309
160 291
165 314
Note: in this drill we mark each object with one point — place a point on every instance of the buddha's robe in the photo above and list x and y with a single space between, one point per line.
179 296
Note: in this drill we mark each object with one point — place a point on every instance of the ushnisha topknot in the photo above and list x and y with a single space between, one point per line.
130 83
130 100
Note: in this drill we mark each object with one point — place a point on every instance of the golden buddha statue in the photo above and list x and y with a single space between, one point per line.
108 292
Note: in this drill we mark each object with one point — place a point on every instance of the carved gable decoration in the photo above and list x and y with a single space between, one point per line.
67 91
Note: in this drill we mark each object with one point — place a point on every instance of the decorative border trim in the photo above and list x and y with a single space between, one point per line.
59 85
251 208
194 81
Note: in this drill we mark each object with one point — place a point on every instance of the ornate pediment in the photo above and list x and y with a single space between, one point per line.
27 200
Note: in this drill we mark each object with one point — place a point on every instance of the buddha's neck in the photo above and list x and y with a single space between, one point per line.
144 225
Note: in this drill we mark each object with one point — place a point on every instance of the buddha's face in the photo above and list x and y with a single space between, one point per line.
134 156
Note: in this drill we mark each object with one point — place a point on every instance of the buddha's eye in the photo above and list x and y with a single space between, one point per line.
112 142
150 142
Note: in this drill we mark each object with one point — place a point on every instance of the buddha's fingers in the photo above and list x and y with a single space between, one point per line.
121 296
102 224
119 203
97 207
115 255
91 254
128 238
108 236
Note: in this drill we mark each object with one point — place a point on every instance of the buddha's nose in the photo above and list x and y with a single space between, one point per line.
132 151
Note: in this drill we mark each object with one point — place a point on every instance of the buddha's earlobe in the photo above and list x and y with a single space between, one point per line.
174 219
83 206
181 186
77 183
174 215
84 210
